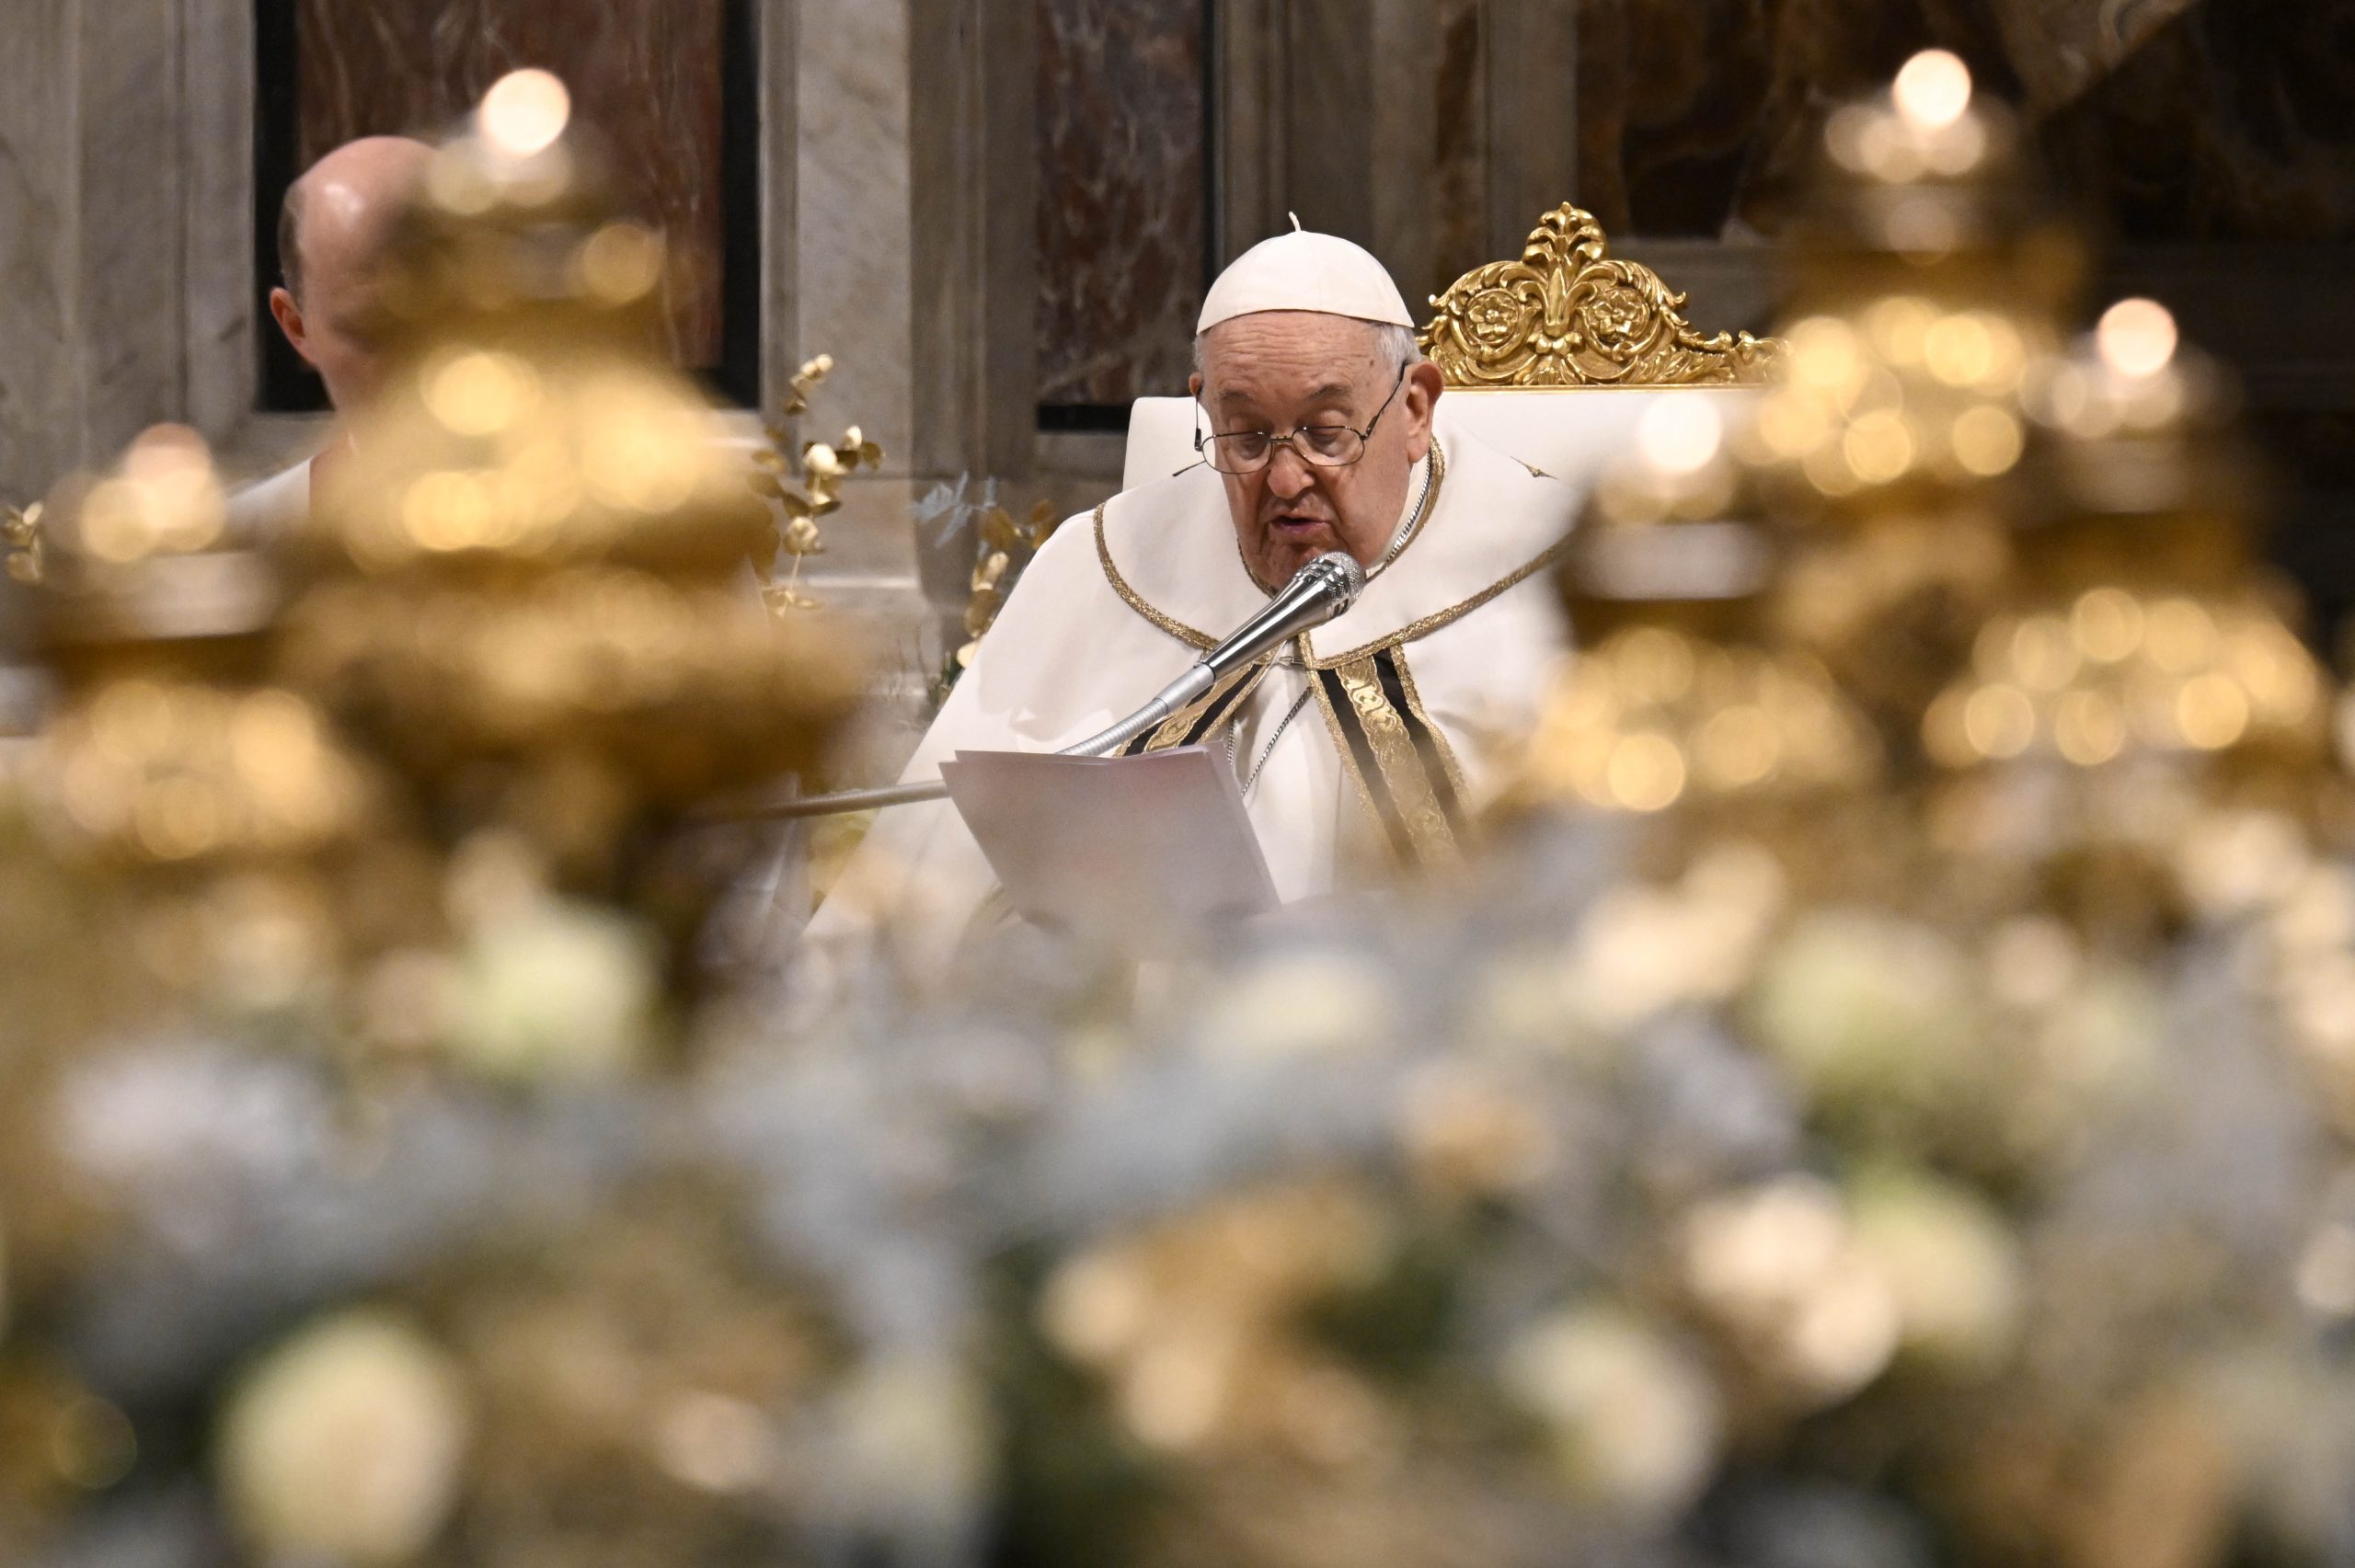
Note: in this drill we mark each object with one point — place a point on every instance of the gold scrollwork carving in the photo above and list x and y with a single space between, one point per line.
1567 314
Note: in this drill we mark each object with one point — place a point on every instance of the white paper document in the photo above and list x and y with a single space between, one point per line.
1141 851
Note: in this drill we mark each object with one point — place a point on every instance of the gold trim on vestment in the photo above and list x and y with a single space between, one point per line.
1348 762
1410 787
1423 510
1398 790
1434 621
1439 737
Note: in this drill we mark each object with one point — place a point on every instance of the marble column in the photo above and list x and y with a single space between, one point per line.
853 237
91 343
852 228
125 233
40 301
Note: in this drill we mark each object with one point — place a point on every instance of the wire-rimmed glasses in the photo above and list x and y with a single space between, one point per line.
1326 446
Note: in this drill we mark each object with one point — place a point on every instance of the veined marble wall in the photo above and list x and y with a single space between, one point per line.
123 250
1123 153
645 73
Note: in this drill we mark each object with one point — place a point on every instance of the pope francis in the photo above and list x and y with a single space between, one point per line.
1369 741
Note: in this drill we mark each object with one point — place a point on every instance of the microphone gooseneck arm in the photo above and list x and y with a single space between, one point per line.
1320 591
1317 593
1170 699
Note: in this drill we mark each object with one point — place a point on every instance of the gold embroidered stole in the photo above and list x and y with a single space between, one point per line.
1404 771
1201 719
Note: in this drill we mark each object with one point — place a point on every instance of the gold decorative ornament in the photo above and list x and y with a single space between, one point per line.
524 585
171 747
1928 284
1679 696
194 806
1567 314
20 539
2141 678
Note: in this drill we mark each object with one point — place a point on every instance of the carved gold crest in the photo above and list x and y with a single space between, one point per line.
1567 314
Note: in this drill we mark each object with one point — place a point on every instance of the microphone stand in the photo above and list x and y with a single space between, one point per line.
1319 592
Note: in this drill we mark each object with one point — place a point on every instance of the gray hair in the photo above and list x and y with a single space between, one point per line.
1393 345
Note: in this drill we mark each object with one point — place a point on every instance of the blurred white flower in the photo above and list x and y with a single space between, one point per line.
716 1444
1954 1267
1304 1002
2326 1275
915 1442
555 990
1523 1002
2104 1033
2032 960
1636 1419
1643 949
1471 1130
2232 862
345 1445
1865 1008
1636 952
1780 1266
2318 915
1096 1306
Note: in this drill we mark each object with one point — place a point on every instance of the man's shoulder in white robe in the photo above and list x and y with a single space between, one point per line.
271 509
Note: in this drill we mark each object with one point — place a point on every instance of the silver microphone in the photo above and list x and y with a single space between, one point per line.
1320 591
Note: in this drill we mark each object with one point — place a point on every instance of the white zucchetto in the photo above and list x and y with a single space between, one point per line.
1304 270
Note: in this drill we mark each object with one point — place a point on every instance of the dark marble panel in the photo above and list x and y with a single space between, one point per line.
1459 160
2235 121
1697 117
1122 180
646 74
2166 119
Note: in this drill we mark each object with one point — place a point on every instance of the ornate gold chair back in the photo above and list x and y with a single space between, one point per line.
1567 314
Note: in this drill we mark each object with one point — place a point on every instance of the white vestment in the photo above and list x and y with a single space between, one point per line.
1416 699
270 510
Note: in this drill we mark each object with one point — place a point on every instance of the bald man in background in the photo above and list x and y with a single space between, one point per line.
331 236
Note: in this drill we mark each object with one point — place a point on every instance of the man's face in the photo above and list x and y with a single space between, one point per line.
1277 371
331 328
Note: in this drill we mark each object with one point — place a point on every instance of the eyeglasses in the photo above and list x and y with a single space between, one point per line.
1326 446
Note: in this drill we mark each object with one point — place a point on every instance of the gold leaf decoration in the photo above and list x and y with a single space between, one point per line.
804 382
803 480
1001 539
1043 521
799 537
20 533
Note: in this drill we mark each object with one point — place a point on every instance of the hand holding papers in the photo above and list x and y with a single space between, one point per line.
1137 852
